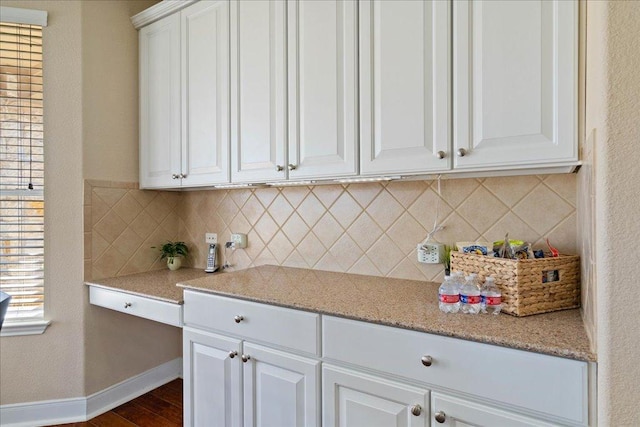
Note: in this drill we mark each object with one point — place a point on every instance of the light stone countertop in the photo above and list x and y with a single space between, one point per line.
158 284
407 304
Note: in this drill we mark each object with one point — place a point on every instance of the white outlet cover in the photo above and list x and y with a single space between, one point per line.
211 238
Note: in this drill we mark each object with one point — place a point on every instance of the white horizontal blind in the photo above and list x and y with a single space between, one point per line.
21 170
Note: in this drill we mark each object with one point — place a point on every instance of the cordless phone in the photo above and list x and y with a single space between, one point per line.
211 259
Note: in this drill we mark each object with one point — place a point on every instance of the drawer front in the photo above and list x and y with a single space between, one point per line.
258 322
549 385
160 311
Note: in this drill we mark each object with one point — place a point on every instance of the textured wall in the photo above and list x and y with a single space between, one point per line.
615 92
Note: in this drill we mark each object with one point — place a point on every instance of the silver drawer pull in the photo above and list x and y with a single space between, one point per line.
232 354
127 304
416 410
440 417
238 318
245 358
427 360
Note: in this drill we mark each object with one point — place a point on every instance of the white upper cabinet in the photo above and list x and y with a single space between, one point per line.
515 83
404 86
160 103
184 98
205 93
258 90
322 76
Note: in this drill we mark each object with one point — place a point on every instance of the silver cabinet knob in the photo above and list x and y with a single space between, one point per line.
416 410
174 176
182 175
427 360
238 319
461 152
292 167
127 304
232 354
245 358
441 155
279 168
440 417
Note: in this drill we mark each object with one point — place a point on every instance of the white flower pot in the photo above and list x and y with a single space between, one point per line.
174 262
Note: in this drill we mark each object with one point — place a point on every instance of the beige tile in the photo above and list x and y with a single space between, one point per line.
144 225
127 208
364 231
311 210
327 230
364 193
241 260
482 209
364 266
255 245
280 209
265 258
542 209
311 249
509 189
406 233
385 210
407 270
295 229
87 273
171 198
240 224
564 185
563 236
456 229
385 255
144 197
266 228
295 260
110 262
110 196
227 209
87 245
98 209
327 194
512 224
252 210
328 263
346 252
88 191
425 208
295 195
455 191
110 226
98 245
87 223
128 242
280 247
158 209
142 260
345 210
266 195
406 192
240 196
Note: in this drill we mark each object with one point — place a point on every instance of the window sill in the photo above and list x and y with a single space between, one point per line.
17 328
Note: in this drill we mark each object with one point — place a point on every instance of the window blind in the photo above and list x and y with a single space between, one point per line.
21 170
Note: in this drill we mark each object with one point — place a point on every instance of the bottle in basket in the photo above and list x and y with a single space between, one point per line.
448 296
470 297
490 297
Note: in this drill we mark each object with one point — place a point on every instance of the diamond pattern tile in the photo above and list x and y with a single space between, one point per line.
369 228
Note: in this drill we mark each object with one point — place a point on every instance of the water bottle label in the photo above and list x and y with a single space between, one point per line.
449 299
494 300
470 299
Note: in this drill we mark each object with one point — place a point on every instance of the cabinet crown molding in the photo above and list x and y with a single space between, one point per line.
158 11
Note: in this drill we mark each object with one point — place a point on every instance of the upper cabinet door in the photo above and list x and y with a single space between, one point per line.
205 93
258 85
404 86
160 103
322 58
515 74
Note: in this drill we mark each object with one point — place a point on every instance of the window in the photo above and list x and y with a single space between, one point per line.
21 167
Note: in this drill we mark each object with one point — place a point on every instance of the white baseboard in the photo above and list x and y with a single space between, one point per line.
84 408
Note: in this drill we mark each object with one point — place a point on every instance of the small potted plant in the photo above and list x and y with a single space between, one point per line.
446 259
174 252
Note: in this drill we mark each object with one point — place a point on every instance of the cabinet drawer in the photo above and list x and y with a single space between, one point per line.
259 322
549 385
149 308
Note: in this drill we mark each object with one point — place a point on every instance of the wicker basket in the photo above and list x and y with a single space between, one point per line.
528 286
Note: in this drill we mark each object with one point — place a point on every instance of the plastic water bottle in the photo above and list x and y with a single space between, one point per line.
470 297
448 296
491 297
476 281
458 279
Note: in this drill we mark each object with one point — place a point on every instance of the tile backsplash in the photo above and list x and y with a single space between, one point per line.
368 228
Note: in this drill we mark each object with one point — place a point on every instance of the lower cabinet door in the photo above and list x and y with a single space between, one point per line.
280 389
212 379
353 399
454 412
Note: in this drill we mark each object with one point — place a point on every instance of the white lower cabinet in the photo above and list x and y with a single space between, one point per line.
350 398
253 364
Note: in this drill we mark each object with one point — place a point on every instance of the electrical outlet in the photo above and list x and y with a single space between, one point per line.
430 253
211 238
239 240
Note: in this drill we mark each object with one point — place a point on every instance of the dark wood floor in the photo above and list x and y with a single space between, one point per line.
161 407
